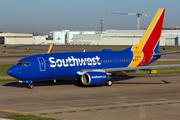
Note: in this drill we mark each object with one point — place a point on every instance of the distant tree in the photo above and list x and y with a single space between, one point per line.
35 34
49 38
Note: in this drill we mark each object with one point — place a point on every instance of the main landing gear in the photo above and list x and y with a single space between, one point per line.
108 83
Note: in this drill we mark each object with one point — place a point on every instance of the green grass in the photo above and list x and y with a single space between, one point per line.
3 73
19 46
28 117
166 70
4 68
112 48
169 48
25 52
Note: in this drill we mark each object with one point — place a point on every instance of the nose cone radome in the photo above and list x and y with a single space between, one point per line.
13 71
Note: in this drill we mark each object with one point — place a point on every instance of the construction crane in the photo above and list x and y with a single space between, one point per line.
136 14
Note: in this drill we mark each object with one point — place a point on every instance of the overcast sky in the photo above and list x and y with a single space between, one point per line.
42 16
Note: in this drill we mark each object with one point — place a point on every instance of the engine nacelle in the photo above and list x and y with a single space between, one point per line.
94 78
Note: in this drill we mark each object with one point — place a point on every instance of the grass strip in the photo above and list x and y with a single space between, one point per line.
19 46
28 117
169 48
112 48
165 70
3 73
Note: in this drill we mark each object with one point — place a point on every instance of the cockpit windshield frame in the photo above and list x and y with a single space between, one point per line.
23 63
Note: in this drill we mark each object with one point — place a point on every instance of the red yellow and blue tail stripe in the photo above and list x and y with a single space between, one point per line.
142 52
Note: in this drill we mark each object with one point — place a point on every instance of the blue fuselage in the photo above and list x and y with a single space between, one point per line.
66 65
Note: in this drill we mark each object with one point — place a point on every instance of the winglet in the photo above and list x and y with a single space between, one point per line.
50 49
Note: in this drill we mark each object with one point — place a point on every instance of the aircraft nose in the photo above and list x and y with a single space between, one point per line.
12 72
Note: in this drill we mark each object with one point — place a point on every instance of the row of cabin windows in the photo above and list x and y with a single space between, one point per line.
101 61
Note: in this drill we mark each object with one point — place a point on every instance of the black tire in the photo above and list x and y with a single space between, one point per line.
30 86
109 83
79 81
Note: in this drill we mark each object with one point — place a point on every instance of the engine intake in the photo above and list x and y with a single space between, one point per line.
94 78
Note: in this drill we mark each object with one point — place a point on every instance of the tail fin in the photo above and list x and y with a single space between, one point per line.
150 41
50 49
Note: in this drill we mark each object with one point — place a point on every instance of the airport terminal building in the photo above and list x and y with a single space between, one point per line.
125 37
15 38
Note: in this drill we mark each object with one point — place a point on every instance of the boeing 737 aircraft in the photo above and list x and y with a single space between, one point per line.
93 68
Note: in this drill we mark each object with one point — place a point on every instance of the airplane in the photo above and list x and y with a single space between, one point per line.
93 68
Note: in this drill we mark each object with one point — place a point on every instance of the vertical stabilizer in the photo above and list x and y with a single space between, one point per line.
150 41
142 52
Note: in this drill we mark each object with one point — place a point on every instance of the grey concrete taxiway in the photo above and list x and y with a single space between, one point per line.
141 97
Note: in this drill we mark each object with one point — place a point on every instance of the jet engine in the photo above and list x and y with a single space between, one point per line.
94 78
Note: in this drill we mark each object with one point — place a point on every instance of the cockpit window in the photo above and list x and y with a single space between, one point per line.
23 63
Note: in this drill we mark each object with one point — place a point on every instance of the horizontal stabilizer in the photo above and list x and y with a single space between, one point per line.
166 53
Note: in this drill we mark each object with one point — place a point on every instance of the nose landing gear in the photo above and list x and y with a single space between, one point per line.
29 82
30 86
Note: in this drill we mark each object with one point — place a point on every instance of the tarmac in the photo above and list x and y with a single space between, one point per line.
130 97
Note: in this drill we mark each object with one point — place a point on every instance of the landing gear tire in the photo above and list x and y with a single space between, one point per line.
79 81
30 86
109 83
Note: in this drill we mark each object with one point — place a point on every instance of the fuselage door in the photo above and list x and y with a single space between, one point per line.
42 65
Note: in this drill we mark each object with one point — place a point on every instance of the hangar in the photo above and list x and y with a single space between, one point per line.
124 37
15 38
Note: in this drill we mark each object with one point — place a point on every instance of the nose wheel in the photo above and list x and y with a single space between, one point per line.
30 86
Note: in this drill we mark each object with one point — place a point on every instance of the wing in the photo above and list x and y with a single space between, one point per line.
113 70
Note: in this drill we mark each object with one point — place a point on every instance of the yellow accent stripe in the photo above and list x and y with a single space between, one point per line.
50 48
153 23
13 112
138 60
91 110
54 95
